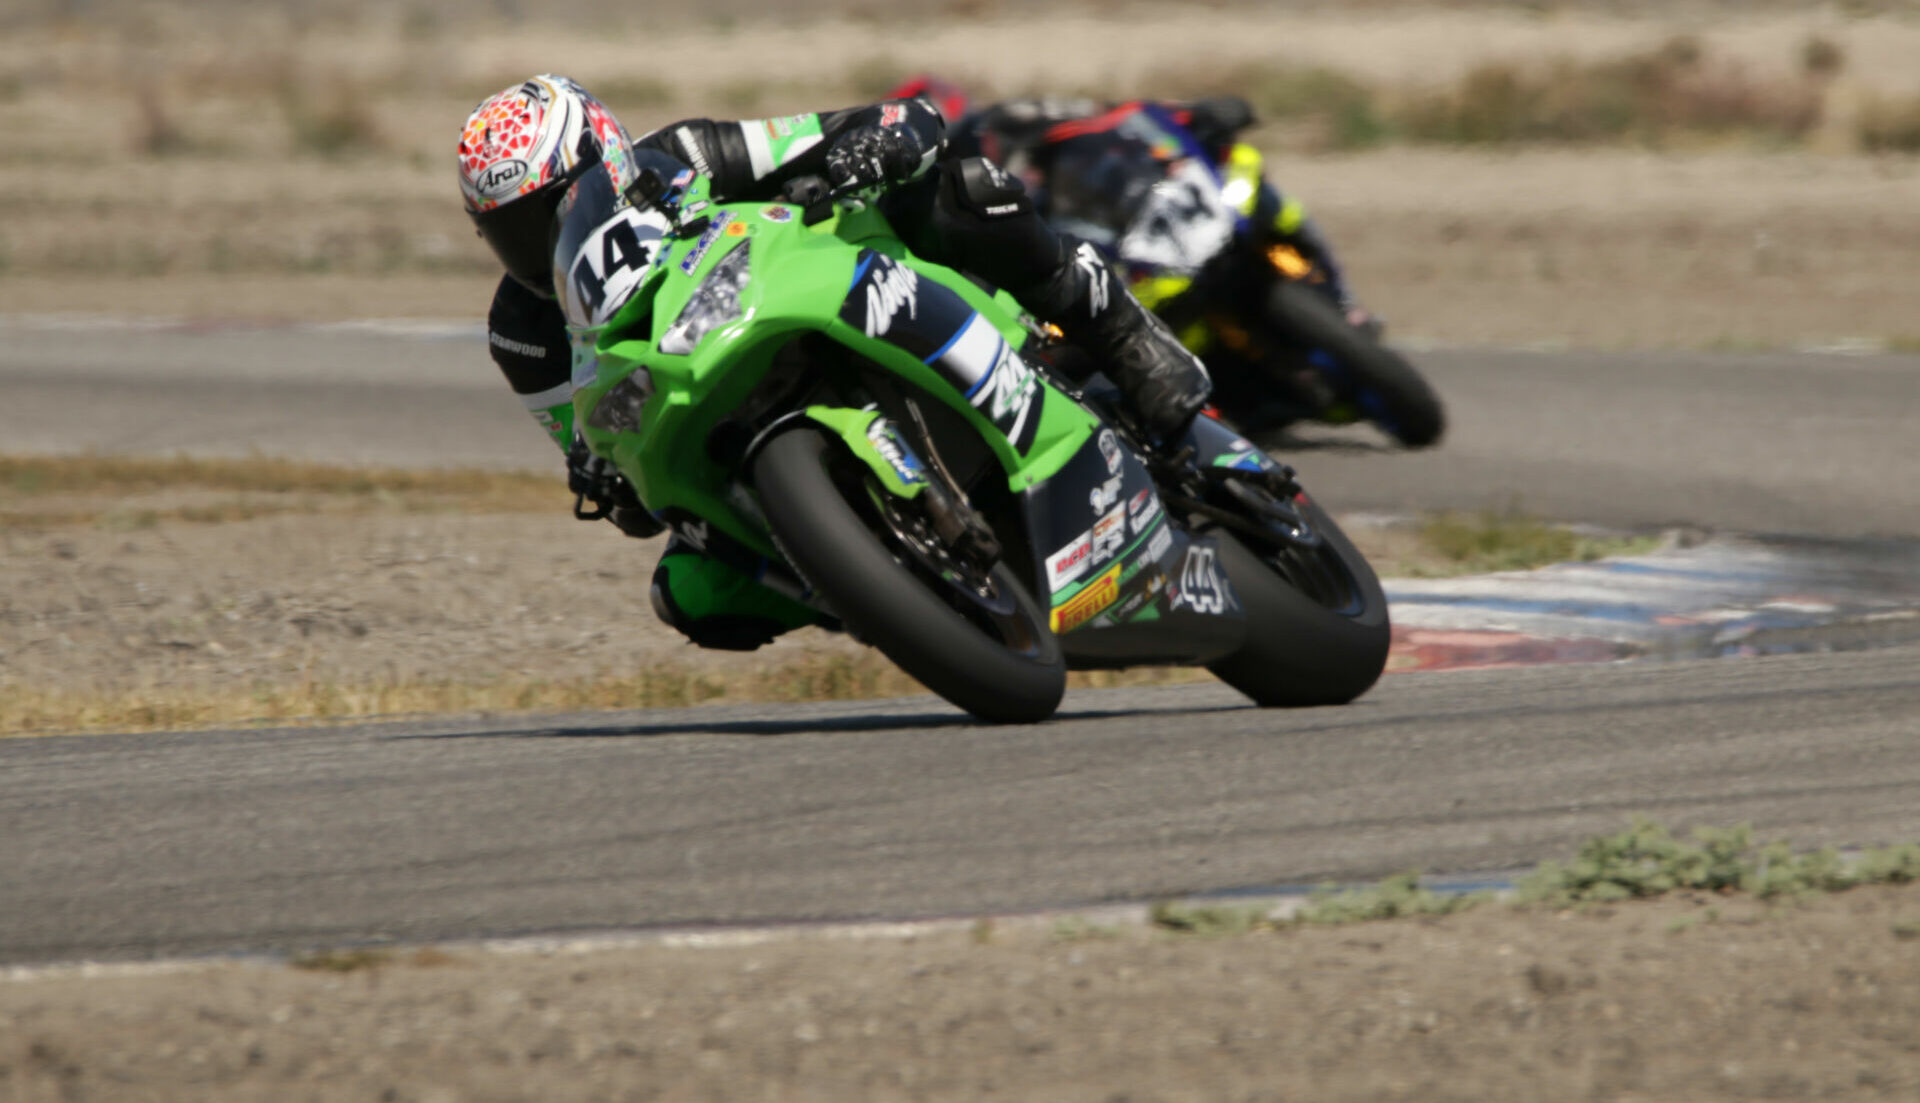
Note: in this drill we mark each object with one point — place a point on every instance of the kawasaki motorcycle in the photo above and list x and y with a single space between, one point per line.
1200 251
872 434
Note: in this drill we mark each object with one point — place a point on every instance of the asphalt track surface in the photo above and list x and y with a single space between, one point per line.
134 845
127 846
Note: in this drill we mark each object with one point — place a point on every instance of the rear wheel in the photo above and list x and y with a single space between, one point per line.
1317 630
1389 391
976 637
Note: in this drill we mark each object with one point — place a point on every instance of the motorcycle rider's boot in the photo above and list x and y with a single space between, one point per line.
1166 384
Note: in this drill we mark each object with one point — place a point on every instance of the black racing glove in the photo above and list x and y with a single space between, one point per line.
592 478
871 157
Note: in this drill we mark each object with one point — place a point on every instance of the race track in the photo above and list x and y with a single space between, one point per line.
207 842
135 845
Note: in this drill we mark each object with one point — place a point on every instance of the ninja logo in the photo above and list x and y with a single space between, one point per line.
892 287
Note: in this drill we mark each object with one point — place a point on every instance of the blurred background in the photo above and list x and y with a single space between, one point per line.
1599 174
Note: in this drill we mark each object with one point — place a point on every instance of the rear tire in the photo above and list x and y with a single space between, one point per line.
886 603
1302 649
1389 390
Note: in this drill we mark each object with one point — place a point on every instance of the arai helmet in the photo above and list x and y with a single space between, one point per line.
519 152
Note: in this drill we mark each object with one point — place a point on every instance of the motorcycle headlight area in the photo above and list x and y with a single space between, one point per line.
619 410
714 303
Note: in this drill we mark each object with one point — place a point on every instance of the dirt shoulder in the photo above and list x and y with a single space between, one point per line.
1683 999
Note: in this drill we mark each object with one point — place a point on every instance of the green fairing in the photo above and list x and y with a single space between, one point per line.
799 278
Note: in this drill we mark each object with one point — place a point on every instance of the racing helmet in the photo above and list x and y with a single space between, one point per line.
519 152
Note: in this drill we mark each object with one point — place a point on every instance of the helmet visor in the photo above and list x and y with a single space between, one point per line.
521 235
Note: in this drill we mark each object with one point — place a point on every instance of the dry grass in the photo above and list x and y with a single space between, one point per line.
37 710
24 478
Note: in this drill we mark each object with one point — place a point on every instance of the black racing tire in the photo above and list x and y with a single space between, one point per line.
885 603
1321 640
1388 390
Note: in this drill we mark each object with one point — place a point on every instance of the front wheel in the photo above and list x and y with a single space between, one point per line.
1386 388
1317 631
979 640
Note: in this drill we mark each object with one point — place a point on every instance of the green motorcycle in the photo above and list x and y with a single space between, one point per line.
883 439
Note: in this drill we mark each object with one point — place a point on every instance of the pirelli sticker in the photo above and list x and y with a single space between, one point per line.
1089 602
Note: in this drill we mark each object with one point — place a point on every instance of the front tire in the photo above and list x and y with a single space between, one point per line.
1388 390
1317 629
1008 671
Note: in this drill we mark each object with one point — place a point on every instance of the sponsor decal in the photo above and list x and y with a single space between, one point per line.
1143 511
1200 586
891 288
682 178
1095 269
707 237
893 114
554 426
1089 602
1006 394
1159 546
886 441
693 532
538 352
736 229
777 213
501 177
1110 448
1071 561
1103 496
1109 534
1245 461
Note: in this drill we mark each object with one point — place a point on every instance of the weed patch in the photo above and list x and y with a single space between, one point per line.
1396 897
1645 861
1490 541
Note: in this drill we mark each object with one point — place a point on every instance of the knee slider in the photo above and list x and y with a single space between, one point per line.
991 191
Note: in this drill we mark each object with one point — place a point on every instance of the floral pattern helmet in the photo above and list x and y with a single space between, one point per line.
519 152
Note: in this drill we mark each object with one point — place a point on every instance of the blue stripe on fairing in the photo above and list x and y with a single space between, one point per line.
866 262
942 350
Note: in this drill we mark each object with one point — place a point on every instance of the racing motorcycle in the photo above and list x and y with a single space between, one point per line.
1198 248
876 436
